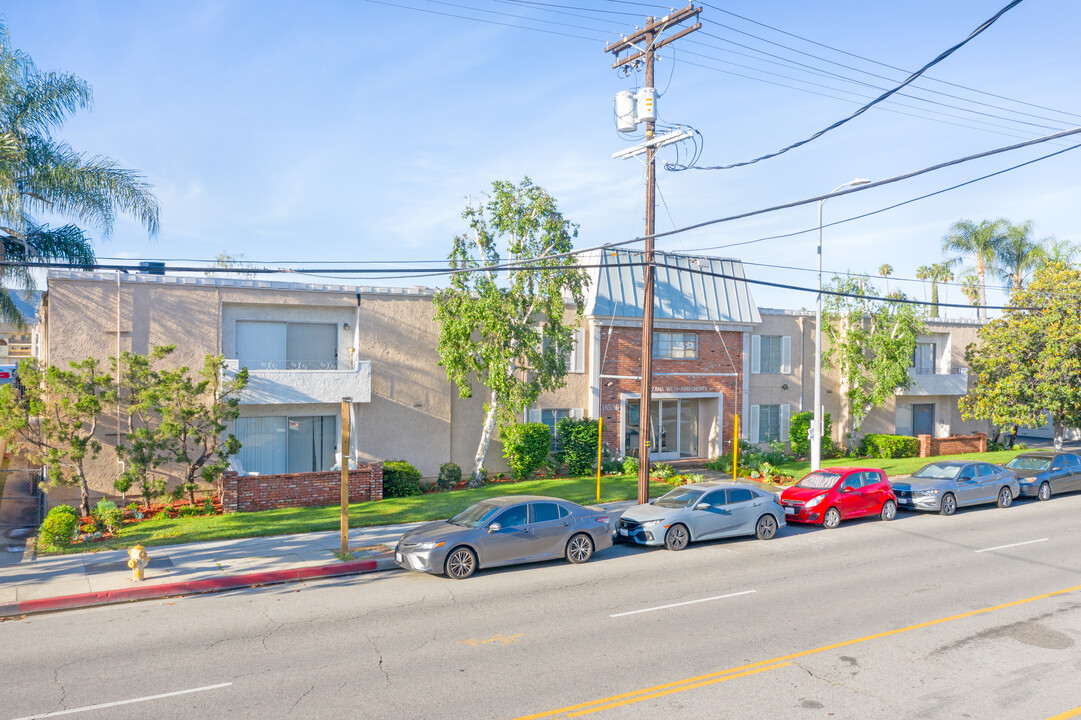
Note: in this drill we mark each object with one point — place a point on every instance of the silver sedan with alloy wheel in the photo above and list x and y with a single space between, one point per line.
702 511
505 531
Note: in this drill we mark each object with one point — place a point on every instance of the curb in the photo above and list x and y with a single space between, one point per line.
192 587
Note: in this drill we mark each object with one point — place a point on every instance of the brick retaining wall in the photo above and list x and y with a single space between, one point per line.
953 445
246 493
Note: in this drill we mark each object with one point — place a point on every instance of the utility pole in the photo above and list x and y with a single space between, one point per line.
646 42
346 402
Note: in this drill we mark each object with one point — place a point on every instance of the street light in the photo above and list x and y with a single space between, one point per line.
817 429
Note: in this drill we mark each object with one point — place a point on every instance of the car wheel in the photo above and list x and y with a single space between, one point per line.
766 527
831 519
889 510
579 548
677 537
1044 493
949 505
461 563
1005 497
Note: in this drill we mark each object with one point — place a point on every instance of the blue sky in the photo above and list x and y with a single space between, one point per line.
355 131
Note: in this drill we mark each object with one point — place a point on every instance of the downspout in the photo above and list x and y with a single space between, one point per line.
119 460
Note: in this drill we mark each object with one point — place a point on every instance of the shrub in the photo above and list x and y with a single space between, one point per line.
797 433
611 465
630 465
450 474
578 444
526 447
59 527
187 511
107 516
208 506
889 446
663 470
400 479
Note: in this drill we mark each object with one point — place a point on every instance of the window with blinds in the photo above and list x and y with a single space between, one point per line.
286 345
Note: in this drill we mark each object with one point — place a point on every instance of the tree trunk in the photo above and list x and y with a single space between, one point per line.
981 312
1059 428
934 298
84 493
485 438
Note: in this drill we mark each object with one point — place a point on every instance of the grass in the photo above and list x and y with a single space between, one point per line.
434 506
895 466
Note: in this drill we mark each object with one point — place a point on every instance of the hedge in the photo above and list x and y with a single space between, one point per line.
400 479
578 444
797 432
889 446
526 447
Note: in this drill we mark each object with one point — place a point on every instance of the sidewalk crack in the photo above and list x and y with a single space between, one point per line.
304 695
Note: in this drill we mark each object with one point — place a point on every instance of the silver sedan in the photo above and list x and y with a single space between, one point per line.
1044 473
504 531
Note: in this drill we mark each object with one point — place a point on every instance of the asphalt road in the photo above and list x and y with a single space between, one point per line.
923 617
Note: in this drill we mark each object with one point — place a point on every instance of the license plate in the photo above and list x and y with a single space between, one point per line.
398 557
789 511
903 501
623 532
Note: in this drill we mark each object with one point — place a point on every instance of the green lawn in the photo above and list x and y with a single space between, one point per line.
434 506
895 466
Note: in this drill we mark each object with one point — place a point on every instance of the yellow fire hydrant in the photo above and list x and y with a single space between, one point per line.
137 562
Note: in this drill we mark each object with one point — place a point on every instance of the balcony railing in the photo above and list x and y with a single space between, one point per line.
933 381
283 385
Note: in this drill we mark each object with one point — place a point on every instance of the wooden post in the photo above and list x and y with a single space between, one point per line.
346 402
600 428
735 447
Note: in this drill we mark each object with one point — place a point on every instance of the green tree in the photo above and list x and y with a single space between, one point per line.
1028 362
1019 255
871 342
509 333
39 173
939 272
55 418
1061 251
982 242
141 446
526 447
885 270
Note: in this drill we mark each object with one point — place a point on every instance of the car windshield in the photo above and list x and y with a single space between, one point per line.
475 514
938 471
819 481
678 498
1029 463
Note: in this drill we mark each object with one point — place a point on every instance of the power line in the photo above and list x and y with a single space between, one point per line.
942 56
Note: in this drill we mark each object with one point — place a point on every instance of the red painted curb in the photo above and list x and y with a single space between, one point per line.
192 587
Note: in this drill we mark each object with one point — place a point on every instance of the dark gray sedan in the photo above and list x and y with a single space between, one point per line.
1042 474
946 485
505 531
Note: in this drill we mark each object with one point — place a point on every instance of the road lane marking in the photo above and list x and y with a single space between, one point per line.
1068 714
815 651
1003 547
500 638
689 602
58 713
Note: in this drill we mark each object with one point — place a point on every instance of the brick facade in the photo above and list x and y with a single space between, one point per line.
953 445
247 493
717 369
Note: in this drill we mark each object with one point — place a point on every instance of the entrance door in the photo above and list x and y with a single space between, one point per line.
664 429
673 428
923 419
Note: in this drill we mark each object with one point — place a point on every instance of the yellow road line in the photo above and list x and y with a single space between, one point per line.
724 674
1068 714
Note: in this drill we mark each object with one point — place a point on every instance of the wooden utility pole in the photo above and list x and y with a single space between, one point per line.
346 402
646 42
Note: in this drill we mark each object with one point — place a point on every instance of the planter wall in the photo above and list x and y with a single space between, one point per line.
246 493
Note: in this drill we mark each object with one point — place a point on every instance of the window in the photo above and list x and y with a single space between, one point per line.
771 354
675 346
276 445
739 495
923 358
551 418
715 498
513 517
287 345
769 423
546 512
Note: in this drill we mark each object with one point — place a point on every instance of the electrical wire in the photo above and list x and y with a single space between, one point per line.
942 56
483 20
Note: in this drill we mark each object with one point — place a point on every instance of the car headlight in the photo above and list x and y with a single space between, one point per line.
927 493
815 501
432 545
652 523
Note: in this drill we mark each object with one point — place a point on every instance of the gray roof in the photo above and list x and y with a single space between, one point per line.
682 289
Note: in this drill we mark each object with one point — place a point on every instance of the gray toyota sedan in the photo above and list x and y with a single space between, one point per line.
1044 473
946 485
505 531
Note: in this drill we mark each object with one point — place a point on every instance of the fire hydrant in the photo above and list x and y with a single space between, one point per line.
137 562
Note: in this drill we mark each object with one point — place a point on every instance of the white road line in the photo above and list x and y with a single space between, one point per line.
1003 547
57 713
689 602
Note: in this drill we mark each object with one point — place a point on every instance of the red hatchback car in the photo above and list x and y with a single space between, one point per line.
830 495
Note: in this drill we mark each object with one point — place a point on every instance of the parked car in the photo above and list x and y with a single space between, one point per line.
504 531
830 495
944 486
1042 474
7 374
702 511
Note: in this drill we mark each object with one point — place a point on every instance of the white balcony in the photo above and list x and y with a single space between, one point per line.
954 382
276 386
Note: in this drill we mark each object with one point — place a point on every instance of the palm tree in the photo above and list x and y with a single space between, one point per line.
39 173
937 273
982 243
1019 255
1062 251
972 288
885 270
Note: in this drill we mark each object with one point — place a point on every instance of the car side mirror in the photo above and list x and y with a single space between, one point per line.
702 506
494 527
846 488
1056 468
967 478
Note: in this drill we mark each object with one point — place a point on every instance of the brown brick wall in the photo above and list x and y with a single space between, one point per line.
247 493
953 445
717 353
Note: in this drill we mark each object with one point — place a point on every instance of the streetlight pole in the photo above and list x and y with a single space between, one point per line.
817 429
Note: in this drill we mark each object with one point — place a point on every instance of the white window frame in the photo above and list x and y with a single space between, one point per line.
785 364
665 345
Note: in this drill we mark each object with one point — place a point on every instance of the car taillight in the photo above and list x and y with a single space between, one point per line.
5 375
603 519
